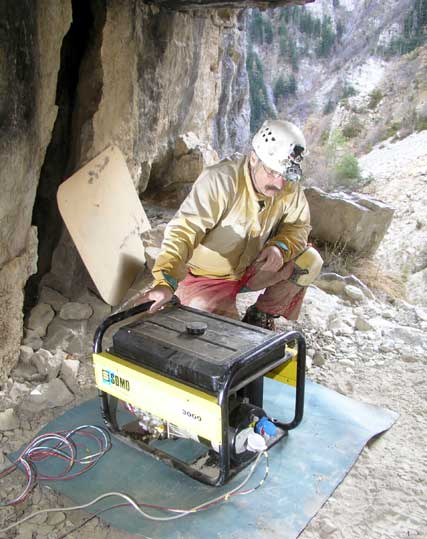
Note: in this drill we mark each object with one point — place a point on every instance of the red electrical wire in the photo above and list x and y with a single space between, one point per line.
65 448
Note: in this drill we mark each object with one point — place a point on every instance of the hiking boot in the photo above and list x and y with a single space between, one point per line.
254 317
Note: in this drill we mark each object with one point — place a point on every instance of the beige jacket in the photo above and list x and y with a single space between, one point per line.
223 224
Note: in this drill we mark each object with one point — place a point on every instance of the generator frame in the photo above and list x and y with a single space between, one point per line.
245 370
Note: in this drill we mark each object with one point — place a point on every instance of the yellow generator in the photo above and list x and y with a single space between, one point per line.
182 373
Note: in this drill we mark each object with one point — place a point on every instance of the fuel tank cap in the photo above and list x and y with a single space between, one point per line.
196 328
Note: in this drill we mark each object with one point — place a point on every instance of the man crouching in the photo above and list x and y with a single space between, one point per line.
243 227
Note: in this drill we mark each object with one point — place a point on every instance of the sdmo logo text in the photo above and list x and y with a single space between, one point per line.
111 378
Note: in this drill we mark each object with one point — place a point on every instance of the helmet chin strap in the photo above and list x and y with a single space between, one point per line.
252 172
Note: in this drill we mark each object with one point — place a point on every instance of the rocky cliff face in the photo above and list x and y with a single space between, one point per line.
29 61
86 76
79 76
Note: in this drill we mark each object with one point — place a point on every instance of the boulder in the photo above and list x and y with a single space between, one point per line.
318 306
8 420
340 326
190 156
41 316
362 324
357 221
75 311
32 340
24 372
47 364
353 293
53 298
335 284
100 309
17 391
49 395
331 282
25 354
13 276
68 335
69 371
319 359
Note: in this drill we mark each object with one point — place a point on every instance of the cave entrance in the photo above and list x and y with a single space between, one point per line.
73 109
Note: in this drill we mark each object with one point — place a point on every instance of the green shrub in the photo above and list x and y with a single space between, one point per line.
256 27
284 88
288 51
279 88
291 85
340 30
414 31
353 128
307 22
347 171
391 130
421 123
268 31
260 28
324 137
260 104
348 91
329 107
374 98
327 38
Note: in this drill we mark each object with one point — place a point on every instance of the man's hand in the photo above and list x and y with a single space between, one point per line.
159 294
270 259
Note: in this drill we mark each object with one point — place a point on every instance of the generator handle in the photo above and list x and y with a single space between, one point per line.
246 363
113 319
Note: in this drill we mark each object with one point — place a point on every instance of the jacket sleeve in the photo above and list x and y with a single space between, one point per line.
292 232
199 213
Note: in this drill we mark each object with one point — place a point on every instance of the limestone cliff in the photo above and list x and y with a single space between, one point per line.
78 76
86 75
29 61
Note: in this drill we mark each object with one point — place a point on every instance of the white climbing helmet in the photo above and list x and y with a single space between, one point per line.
281 146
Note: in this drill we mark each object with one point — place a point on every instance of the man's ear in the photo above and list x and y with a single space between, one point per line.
253 159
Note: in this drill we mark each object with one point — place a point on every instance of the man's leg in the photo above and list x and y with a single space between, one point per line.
212 295
282 295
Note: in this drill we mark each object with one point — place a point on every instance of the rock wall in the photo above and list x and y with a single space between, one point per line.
29 63
164 77
154 76
146 77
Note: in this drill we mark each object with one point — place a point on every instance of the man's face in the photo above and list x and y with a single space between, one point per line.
266 181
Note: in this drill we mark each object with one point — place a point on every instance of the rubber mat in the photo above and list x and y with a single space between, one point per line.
305 469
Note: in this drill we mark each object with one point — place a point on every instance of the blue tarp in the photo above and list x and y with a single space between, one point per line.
305 469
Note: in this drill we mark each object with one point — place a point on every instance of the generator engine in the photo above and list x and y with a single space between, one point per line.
183 374
249 430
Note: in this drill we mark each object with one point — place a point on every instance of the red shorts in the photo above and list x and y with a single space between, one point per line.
279 296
